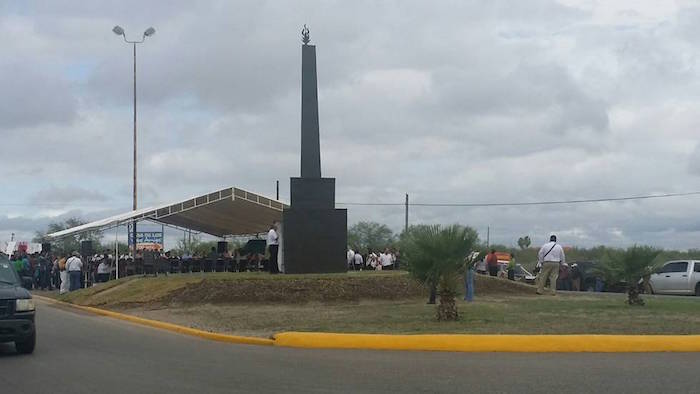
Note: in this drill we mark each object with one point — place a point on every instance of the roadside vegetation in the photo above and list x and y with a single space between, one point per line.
630 267
488 314
435 256
394 301
238 303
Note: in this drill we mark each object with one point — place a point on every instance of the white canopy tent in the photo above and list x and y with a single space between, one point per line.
230 211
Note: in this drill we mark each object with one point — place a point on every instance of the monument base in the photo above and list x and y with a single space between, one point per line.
315 240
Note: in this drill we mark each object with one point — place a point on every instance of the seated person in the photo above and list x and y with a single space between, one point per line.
254 260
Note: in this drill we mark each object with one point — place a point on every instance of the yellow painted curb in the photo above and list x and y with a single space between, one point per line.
166 326
493 343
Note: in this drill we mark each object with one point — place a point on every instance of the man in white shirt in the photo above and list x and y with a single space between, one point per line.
386 259
551 255
359 261
351 258
74 267
273 245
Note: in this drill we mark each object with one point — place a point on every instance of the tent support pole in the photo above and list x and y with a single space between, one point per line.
116 248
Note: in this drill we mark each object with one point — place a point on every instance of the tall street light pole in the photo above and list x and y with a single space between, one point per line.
118 30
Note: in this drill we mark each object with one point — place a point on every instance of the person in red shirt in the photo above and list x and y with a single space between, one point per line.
492 263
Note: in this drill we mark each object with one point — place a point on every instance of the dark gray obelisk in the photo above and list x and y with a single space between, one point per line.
315 233
310 148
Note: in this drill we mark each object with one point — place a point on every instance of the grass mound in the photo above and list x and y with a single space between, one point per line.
261 288
488 314
488 285
299 290
259 304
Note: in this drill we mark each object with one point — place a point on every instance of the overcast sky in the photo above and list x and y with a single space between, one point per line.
449 101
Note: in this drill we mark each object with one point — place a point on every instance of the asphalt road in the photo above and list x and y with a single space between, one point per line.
82 353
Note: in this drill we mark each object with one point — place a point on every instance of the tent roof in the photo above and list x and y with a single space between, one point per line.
230 211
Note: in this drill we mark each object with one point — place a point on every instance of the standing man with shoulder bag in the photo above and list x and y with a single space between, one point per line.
551 256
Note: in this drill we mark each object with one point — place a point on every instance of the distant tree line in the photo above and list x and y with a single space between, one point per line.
364 236
71 243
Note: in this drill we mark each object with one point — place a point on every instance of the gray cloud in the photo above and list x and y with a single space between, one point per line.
694 161
448 101
24 228
33 97
63 195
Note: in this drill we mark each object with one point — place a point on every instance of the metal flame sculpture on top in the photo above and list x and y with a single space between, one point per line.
314 232
305 38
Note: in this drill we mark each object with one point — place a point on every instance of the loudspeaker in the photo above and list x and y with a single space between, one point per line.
46 247
86 248
221 247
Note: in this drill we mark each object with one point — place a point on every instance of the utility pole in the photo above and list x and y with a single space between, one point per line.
278 190
135 189
488 235
405 227
116 249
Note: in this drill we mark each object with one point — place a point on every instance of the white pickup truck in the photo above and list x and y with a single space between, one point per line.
677 277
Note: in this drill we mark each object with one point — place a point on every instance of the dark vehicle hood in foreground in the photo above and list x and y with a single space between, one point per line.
13 292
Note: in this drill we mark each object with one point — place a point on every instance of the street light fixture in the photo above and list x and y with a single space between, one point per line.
118 30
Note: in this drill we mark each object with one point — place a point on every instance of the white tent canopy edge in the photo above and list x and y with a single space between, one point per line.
226 212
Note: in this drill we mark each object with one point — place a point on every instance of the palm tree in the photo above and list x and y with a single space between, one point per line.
630 266
435 256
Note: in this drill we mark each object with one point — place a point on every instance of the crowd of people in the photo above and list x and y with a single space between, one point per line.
551 271
497 264
159 262
68 272
37 266
569 277
386 260
49 272
73 271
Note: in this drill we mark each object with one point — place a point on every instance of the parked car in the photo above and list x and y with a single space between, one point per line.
590 281
677 277
16 310
523 275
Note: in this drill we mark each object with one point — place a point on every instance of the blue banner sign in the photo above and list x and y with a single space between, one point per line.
148 237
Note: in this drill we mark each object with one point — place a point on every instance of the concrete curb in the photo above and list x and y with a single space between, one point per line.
494 343
165 326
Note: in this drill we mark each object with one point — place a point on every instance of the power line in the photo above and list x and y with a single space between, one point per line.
414 204
517 204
